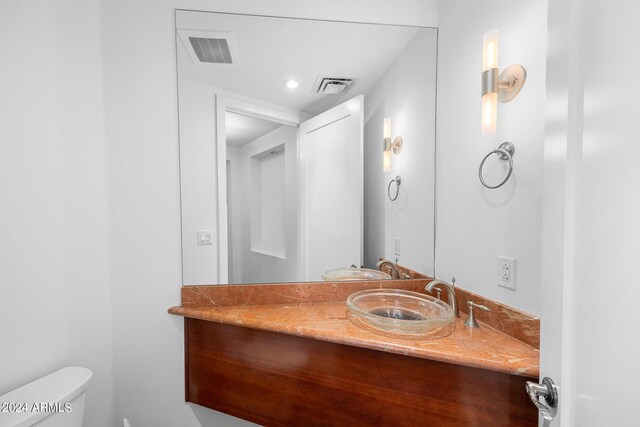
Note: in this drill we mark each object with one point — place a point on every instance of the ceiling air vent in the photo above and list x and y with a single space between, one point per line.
208 47
332 85
215 51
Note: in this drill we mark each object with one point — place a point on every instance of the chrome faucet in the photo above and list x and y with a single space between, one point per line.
393 269
451 293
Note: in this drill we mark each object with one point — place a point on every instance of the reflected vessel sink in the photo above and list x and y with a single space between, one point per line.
354 273
401 314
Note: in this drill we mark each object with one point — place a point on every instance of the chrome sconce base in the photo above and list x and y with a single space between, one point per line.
396 145
507 85
510 82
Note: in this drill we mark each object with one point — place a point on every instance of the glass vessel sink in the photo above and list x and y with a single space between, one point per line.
401 314
354 273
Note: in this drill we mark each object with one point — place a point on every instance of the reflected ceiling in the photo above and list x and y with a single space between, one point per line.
268 54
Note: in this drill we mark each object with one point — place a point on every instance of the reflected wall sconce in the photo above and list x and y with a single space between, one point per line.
502 88
387 146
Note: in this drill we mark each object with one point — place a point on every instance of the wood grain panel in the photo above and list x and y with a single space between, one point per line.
282 380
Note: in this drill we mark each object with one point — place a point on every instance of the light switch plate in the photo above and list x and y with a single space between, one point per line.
506 273
205 237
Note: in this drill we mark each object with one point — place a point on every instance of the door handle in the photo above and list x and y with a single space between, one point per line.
549 391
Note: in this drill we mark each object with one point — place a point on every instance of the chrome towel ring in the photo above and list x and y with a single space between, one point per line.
504 152
398 181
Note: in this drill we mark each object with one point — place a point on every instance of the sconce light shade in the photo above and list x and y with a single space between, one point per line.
386 160
387 145
490 44
387 128
496 88
489 113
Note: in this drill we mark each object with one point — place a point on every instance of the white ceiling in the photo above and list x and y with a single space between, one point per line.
241 129
272 50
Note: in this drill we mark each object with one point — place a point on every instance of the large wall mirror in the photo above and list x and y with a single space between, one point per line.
285 171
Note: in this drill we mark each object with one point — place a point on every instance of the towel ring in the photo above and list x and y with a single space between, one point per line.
504 152
398 181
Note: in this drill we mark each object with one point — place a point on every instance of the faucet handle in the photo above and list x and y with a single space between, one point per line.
471 319
439 292
481 307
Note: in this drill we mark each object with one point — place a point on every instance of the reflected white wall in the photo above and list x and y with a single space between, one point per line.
406 94
263 218
199 182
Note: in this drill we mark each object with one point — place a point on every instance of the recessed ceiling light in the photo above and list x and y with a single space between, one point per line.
291 84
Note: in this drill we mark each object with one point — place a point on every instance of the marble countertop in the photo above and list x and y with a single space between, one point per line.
485 348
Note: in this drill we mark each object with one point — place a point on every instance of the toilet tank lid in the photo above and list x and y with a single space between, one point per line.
59 387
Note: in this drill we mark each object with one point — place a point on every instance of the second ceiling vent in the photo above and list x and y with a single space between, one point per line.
332 85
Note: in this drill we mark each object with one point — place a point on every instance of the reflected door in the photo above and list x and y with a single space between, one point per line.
331 190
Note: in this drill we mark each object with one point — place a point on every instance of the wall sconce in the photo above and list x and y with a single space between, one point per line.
387 146
496 88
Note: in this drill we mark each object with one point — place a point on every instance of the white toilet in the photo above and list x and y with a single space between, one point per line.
56 400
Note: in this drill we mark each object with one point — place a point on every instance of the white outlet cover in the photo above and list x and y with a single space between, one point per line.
396 248
506 272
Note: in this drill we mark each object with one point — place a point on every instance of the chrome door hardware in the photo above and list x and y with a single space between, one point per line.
549 392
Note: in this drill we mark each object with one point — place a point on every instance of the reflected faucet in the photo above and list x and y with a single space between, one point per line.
451 293
393 269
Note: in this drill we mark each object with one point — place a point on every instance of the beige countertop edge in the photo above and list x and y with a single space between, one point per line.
453 349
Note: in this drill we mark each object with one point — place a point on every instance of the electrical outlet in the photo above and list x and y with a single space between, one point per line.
396 247
507 272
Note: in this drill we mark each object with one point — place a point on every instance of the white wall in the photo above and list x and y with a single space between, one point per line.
142 132
269 208
406 94
251 266
55 304
474 224
199 202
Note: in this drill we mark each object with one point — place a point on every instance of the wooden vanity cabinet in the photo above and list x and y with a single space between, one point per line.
276 379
